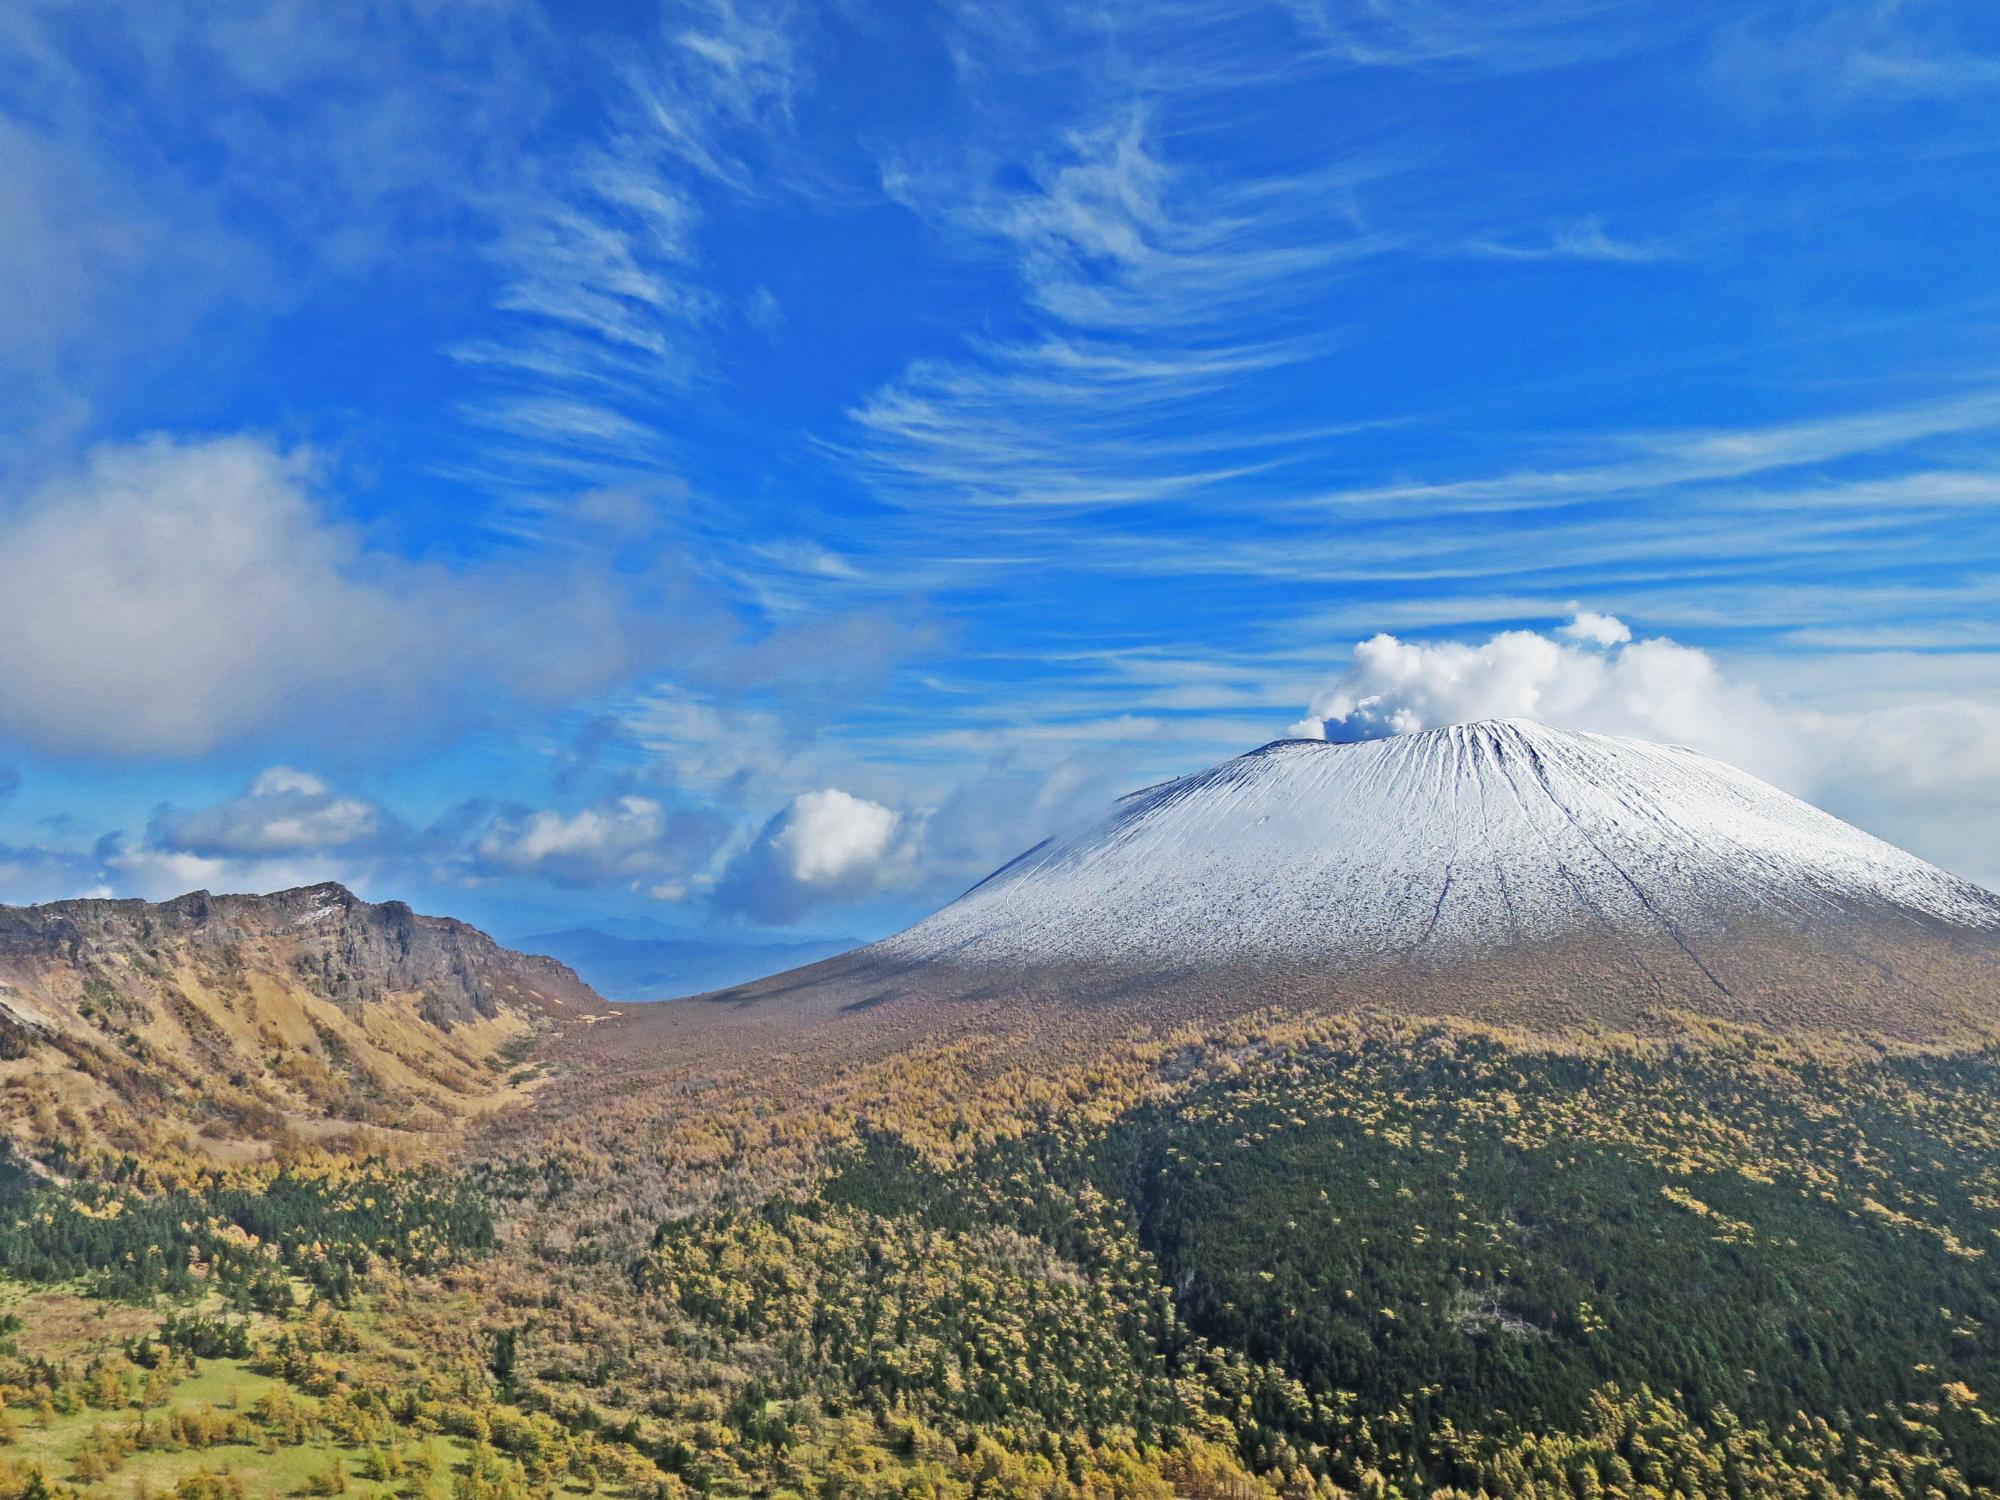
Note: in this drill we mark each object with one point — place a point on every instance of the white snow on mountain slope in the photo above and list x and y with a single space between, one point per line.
1471 837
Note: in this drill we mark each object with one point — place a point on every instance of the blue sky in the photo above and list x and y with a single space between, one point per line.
757 467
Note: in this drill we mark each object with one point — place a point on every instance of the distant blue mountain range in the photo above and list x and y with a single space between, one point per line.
632 967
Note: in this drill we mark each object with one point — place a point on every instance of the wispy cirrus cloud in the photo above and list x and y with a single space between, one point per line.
1155 297
1470 35
1585 239
173 179
1703 528
1630 462
1823 54
609 312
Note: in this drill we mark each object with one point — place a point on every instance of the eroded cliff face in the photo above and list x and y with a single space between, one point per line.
232 1025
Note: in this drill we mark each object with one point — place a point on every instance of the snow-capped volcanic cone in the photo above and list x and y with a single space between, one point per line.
1435 845
1501 869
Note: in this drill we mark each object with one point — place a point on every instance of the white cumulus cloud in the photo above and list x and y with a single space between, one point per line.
171 596
630 839
287 828
283 812
1597 678
827 836
1592 628
826 846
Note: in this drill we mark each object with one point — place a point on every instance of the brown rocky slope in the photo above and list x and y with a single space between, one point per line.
225 1026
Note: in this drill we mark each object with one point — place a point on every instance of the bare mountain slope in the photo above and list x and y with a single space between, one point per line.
1500 869
225 1023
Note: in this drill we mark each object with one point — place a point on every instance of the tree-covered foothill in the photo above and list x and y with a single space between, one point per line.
1393 1260
1270 1258
246 1238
